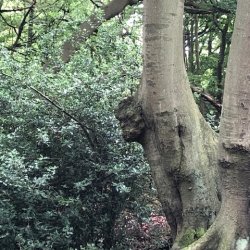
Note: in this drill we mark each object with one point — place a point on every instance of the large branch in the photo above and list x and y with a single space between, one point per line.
204 8
89 27
115 7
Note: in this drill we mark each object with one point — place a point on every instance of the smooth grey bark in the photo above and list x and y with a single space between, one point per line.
180 147
231 229
183 152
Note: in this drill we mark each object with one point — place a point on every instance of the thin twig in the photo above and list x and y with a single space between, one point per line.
8 24
13 10
84 128
96 5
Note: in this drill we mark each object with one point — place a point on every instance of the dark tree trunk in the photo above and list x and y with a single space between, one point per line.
197 51
220 66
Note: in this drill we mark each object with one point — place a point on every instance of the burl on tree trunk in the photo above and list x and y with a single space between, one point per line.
184 153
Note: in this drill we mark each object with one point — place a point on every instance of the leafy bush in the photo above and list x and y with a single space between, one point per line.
66 174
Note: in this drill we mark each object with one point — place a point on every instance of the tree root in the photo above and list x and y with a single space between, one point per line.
228 232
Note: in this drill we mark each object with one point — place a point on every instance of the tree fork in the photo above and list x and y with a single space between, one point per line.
231 229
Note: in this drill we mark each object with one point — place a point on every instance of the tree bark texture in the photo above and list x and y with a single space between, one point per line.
180 147
183 152
235 129
231 229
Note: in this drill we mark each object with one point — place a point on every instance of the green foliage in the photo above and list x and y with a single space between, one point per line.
206 67
191 235
65 181
200 232
188 238
66 174
228 5
50 20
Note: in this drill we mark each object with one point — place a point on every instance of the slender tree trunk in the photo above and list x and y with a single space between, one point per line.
30 27
220 66
210 43
197 51
191 47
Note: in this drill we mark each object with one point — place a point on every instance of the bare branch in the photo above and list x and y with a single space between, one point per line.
207 97
13 10
195 8
86 29
97 5
8 24
22 24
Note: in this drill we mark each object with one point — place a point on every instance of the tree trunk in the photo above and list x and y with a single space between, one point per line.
178 143
235 131
191 47
31 27
197 51
210 43
182 150
220 66
231 230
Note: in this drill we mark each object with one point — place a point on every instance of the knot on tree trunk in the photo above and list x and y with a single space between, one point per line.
130 115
